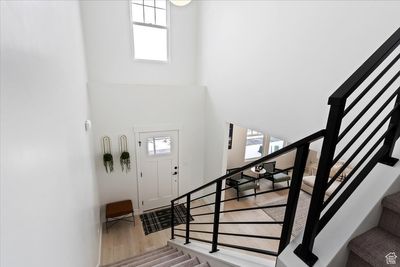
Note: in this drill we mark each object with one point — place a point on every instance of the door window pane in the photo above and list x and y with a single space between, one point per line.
159 146
150 146
163 145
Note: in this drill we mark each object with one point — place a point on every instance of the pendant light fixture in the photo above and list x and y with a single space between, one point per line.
180 2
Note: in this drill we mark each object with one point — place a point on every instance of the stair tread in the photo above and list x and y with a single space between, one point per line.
138 257
373 245
143 259
161 260
390 221
151 258
204 264
392 202
188 263
173 261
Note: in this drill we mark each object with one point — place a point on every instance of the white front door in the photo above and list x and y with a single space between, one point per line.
158 168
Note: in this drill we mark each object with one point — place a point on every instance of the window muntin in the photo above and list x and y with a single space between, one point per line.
150 29
159 146
254 144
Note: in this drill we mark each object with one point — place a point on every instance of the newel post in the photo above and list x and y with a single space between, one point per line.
336 113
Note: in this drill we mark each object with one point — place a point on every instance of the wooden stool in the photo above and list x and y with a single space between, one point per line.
118 209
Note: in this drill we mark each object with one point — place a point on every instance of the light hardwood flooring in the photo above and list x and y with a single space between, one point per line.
125 240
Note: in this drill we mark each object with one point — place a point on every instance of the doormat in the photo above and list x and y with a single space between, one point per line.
158 220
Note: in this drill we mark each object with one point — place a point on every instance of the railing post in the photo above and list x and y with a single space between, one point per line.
304 250
187 218
391 138
293 197
172 220
217 210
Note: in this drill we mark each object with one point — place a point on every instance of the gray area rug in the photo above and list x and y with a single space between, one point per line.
278 214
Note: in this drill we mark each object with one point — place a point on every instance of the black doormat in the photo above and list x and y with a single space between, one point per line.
161 219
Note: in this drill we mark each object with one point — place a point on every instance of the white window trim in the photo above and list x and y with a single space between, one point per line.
168 28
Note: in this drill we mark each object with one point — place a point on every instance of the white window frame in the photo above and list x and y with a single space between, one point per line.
168 27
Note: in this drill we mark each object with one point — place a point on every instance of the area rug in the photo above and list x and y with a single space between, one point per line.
158 220
278 214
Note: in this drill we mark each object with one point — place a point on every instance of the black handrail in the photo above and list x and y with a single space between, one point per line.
331 136
315 223
362 73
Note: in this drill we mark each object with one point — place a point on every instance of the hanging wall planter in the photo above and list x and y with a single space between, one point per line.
125 158
107 156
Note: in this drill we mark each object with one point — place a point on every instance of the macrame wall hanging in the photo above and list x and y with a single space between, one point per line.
107 157
125 158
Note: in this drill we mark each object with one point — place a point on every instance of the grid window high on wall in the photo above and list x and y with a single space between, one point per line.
150 29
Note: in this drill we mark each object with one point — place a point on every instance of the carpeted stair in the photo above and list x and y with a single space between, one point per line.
379 246
162 257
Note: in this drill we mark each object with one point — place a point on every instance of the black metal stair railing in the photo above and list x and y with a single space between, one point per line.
301 147
377 146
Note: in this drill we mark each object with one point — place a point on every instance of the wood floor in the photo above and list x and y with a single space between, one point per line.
125 240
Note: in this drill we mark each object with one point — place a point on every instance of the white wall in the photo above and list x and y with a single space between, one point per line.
118 109
271 65
126 93
49 201
108 37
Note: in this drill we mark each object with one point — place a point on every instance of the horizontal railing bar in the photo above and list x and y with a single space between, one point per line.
368 106
194 238
311 138
175 205
252 236
340 186
235 234
251 222
369 87
243 209
204 205
212 193
256 208
267 252
358 150
359 76
351 188
365 127
203 214
200 231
